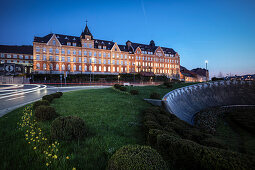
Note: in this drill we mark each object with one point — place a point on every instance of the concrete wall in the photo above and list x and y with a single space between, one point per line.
187 101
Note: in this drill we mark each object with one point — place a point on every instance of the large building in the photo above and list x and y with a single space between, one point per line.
61 54
16 59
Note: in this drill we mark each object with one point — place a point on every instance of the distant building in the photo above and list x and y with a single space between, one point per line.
16 59
194 75
250 77
58 54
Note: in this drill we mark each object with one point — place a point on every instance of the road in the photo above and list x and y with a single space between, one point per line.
14 96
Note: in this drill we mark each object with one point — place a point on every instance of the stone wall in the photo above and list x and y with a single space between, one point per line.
185 102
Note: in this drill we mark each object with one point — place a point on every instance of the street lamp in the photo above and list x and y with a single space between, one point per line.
206 71
92 61
118 78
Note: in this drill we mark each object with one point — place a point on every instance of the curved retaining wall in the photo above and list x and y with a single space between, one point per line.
185 102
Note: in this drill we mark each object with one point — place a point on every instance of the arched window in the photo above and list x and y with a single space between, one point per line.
104 69
57 67
79 67
44 66
51 66
90 68
85 68
109 69
63 67
99 68
68 67
95 68
74 67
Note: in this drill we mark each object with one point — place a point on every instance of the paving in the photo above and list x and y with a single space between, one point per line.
14 96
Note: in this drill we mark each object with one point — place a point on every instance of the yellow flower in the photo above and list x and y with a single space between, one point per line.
67 157
47 164
35 148
74 168
49 154
55 156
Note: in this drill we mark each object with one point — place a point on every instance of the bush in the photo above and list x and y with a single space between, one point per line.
122 88
60 93
68 128
168 84
136 157
49 98
56 95
134 92
185 153
45 113
155 96
117 86
40 102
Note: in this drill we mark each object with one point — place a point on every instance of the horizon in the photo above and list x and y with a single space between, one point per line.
223 35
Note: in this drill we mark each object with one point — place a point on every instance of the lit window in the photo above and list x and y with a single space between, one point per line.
74 67
68 67
50 50
37 49
63 51
79 67
63 67
104 47
68 59
44 66
54 42
99 68
85 68
63 59
109 69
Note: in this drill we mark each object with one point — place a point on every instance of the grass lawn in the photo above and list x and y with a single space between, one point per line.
113 120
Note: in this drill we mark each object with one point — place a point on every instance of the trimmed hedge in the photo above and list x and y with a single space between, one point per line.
136 157
188 154
168 84
155 95
122 88
117 86
49 98
56 95
134 92
60 93
68 128
40 102
43 113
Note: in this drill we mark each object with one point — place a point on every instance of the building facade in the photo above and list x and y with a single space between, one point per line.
16 60
61 54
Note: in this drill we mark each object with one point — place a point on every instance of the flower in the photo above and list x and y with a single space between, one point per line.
35 148
47 164
55 157
74 168
67 157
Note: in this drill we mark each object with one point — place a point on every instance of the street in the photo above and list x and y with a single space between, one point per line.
14 96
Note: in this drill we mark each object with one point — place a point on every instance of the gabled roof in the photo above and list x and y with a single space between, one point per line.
24 49
108 44
200 71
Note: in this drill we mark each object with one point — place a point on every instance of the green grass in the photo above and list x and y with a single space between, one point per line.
113 120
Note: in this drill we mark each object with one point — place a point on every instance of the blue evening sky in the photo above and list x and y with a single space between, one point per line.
220 31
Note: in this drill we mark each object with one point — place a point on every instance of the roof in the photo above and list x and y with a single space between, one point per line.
129 47
200 71
24 49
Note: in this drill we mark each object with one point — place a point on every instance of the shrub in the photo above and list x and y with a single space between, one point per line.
122 88
152 125
185 153
45 113
56 95
155 95
60 93
168 84
117 86
49 98
134 92
136 157
68 128
41 102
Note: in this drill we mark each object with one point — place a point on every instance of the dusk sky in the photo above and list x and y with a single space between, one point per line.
220 31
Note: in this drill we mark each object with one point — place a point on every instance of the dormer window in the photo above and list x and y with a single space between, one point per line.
104 47
99 46
66 38
54 42
115 49
68 43
74 44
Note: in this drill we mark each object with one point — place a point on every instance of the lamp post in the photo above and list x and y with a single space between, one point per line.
118 78
92 61
206 71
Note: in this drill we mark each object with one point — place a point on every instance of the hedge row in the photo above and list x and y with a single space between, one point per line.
186 147
124 89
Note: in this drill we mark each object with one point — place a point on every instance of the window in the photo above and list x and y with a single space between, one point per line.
74 67
90 45
74 52
51 66
79 52
37 49
26 57
113 62
50 50
90 53
118 69
57 58
85 60
112 55
8 56
69 43
54 42
121 62
104 69
103 54
104 61
74 44
44 57
90 68
74 59
79 59
121 55
37 57
57 67
125 56
63 51
79 67
38 66
95 60
14 56
99 46
51 58
104 47
99 68
90 60
85 68
109 61
117 62
99 54
57 51
68 51
113 69
109 69
109 55
63 59
68 67
95 54
125 62
68 59
44 50
63 67
95 68
85 44
117 55
44 66
2 55
99 61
